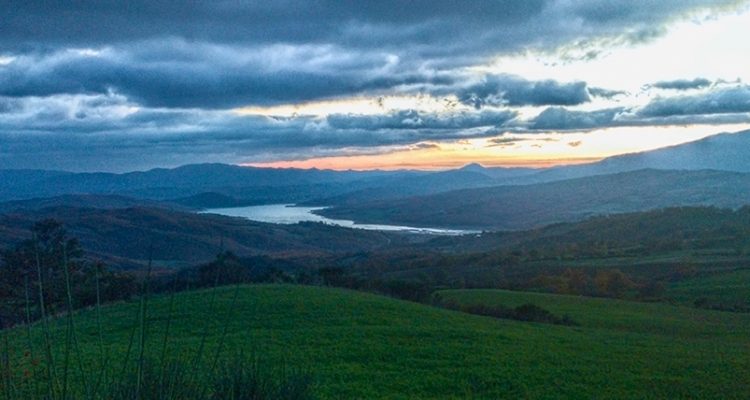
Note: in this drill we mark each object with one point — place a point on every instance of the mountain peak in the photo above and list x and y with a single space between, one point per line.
473 167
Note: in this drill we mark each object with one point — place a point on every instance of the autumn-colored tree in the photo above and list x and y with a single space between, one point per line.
612 283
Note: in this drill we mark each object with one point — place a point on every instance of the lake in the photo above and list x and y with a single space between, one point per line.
290 214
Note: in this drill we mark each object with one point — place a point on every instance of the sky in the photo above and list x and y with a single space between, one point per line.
427 84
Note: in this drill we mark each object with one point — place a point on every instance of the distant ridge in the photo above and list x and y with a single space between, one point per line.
261 184
722 152
84 201
528 206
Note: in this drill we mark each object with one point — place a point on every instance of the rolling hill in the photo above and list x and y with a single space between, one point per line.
123 236
85 201
609 314
365 346
527 206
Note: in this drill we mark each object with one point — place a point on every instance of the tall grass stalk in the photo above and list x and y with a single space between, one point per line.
126 359
165 341
170 378
49 361
69 331
225 328
143 322
29 339
5 370
131 341
72 339
103 354
211 304
27 308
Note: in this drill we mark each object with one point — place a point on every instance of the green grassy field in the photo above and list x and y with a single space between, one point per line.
602 314
365 346
727 288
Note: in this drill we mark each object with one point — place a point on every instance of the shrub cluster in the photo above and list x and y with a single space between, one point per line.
525 312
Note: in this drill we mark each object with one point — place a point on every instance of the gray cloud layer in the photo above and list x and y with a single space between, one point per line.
112 85
427 26
175 73
724 101
725 105
558 118
222 54
513 91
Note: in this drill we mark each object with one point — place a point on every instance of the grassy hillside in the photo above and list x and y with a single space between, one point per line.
657 319
728 288
365 346
639 235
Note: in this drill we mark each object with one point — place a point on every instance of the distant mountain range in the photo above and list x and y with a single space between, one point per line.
202 184
183 181
495 197
724 152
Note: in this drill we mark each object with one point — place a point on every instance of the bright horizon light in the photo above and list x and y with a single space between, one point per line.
529 150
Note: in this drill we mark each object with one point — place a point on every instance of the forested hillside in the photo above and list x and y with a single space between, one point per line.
529 206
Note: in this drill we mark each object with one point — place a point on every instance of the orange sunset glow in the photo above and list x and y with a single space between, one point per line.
512 150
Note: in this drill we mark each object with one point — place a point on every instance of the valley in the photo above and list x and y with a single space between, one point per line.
470 283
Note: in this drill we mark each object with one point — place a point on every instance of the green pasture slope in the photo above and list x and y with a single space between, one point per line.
366 346
602 314
730 288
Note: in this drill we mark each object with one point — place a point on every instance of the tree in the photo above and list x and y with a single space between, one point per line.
612 283
38 265
577 281
35 269
227 268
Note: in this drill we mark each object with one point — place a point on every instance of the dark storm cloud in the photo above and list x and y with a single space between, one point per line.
280 21
221 54
506 90
179 74
390 23
176 73
683 84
